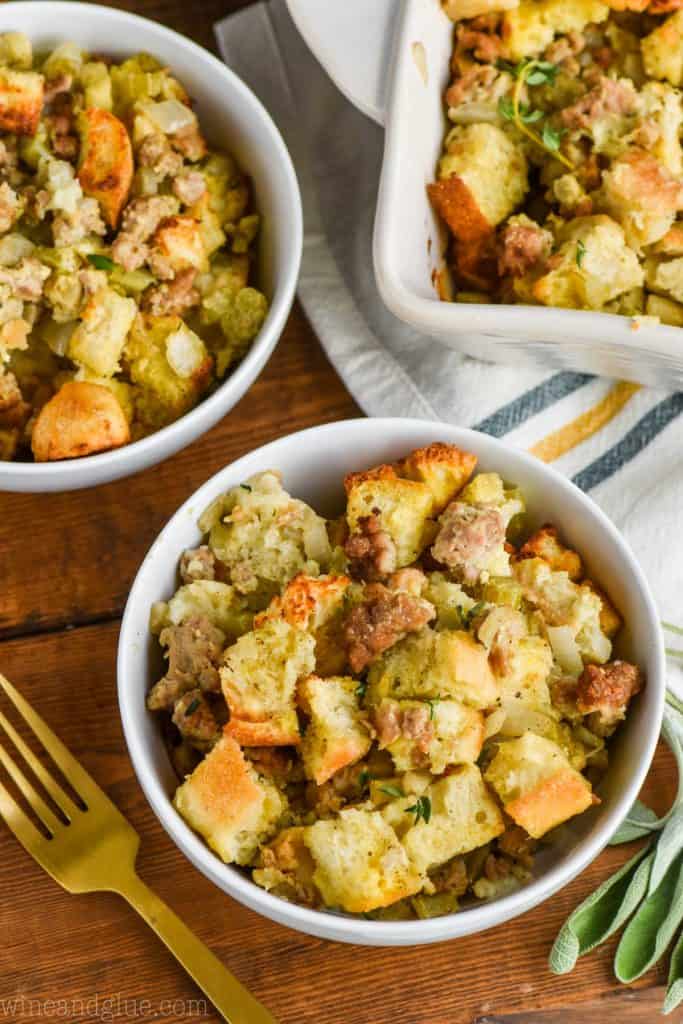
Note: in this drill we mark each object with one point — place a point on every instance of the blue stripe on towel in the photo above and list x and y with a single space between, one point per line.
510 416
645 431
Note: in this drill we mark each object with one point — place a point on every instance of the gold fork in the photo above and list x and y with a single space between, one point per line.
94 850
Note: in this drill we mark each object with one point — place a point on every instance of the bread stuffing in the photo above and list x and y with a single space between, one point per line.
387 713
561 177
127 252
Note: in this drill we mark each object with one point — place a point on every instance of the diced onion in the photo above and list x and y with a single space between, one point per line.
185 352
565 649
169 116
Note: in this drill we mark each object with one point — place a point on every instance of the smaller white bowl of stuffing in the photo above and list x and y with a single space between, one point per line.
390 681
150 242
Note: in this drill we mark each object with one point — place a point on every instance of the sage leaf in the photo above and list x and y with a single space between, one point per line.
602 913
640 821
669 845
651 929
674 992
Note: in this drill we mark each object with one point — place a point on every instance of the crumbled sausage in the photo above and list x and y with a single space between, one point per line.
609 96
480 38
604 691
410 580
155 152
382 619
198 564
371 551
27 279
194 649
522 247
54 87
189 187
190 142
467 535
173 298
195 721
72 228
451 877
141 218
564 48
475 83
518 845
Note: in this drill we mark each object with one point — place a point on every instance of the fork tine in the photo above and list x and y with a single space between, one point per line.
22 826
65 804
38 805
76 775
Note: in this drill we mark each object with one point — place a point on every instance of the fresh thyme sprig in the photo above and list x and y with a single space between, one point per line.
422 808
531 72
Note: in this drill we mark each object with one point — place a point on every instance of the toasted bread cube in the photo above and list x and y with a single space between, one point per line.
99 339
336 735
665 310
21 101
314 604
482 176
287 868
265 537
431 665
531 26
444 468
106 167
662 50
434 734
259 676
218 602
606 268
81 419
462 816
180 243
642 195
360 863
229 805
404 507
536 784
546 544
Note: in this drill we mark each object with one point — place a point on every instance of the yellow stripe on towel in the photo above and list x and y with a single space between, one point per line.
584 426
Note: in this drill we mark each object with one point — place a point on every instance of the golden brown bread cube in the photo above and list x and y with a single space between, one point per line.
546 544
229 804
80 419
444 468
536 784
336 734
21 101
106 167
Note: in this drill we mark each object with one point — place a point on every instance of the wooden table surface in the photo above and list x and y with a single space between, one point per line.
66 564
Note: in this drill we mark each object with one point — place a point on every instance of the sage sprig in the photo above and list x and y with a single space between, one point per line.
646 892
602 913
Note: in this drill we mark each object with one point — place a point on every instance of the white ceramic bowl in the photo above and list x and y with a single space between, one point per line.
314 463
232 118
392 60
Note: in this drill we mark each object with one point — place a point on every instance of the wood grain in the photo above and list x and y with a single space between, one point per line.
66 563
80 946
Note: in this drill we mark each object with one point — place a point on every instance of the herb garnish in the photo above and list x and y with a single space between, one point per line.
531 72
246 487
365 777
191 707
580 252
361 688
469 616
422 808
101 262
391 790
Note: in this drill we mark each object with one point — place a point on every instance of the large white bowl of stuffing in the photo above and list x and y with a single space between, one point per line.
150 240
390 681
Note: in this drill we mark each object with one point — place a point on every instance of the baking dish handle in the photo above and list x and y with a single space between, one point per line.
353 41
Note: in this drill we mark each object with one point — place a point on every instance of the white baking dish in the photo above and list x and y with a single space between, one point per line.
408 251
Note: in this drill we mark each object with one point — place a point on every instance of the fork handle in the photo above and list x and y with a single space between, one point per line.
235 1004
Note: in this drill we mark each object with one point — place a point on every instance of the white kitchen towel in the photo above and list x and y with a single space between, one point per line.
620 443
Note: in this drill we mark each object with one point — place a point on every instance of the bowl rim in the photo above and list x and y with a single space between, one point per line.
240 379
357 930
